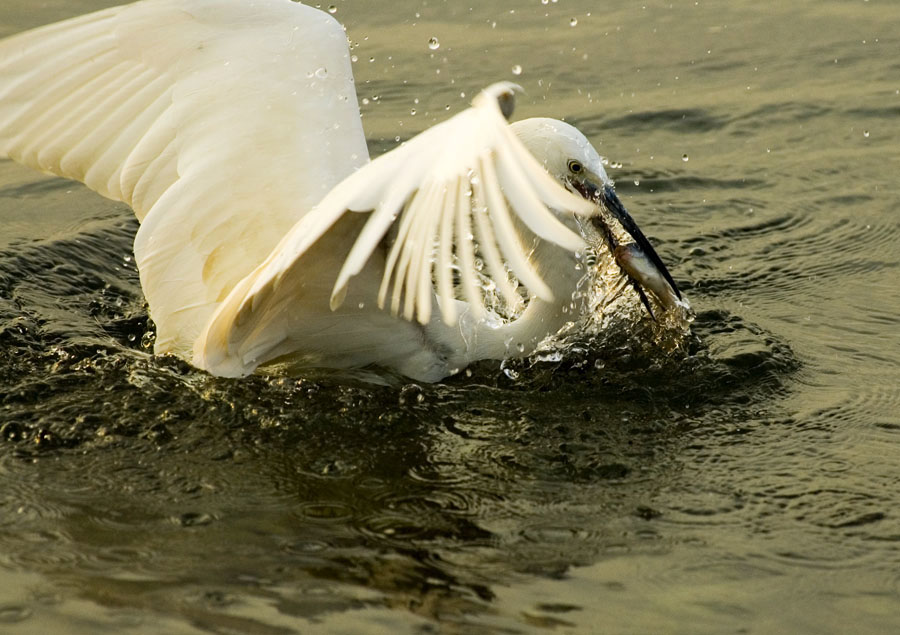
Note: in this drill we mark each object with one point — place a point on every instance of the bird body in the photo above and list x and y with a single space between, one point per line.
267 236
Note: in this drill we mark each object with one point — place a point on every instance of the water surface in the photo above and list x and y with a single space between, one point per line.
748 487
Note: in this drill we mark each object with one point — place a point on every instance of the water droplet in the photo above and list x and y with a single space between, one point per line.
332 9
517 70
433 44
412 111
354 58
147 339
865 133
684 157
509 372
573 22
322 73
637 182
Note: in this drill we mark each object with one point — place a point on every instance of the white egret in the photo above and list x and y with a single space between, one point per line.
233 131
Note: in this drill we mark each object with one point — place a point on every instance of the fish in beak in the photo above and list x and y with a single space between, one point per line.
638 259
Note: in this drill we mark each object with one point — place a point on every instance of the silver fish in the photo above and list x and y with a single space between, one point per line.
641 268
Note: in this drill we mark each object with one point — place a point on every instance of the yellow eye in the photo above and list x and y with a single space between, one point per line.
575 167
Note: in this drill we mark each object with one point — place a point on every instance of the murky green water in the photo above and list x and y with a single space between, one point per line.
751 487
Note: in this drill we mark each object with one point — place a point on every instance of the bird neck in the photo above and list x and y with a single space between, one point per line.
471 340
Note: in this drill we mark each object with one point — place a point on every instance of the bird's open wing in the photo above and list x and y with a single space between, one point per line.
220 122
465 189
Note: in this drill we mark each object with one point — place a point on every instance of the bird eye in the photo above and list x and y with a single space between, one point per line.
575 167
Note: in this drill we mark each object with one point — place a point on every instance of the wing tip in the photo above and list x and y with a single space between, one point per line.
338 295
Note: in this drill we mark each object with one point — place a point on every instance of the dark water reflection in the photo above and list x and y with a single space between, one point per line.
748 485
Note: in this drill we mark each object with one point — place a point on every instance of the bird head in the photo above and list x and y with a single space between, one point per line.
564 152
571 159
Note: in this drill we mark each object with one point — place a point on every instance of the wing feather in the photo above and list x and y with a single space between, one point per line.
444 263
546 188
422 279
508 238
484 231
518 175
168 106
394 256
466 250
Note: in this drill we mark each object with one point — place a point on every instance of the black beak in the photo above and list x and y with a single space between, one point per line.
606 196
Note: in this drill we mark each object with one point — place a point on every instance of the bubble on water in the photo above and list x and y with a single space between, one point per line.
637 182
322 73
332 9
866 133
354 58
433 44
412 111
517 70
573 22
685 158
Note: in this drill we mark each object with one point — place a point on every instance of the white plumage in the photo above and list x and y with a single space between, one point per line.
233 131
